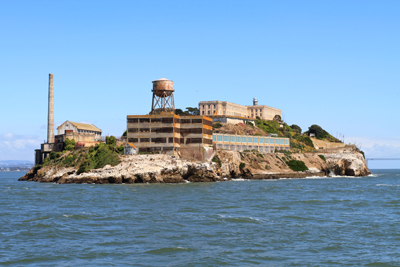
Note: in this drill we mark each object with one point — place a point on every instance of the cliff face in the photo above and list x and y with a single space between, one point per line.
167 169
347 163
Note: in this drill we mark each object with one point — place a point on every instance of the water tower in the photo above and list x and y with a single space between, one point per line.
163 96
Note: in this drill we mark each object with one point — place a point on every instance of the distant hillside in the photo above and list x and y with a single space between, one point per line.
15 163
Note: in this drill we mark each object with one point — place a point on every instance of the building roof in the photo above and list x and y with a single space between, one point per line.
162 79
84 126
131 144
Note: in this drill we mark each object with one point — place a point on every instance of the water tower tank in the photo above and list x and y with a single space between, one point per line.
163 96
163 87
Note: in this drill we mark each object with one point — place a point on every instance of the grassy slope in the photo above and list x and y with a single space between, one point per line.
85 159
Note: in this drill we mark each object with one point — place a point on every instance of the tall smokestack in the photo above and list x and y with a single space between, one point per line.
50 122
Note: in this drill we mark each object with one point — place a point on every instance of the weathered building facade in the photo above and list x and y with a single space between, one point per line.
168 133
236 112
88 134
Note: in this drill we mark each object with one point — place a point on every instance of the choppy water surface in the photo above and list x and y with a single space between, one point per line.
324 221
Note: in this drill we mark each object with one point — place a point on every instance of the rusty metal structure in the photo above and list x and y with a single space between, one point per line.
163 96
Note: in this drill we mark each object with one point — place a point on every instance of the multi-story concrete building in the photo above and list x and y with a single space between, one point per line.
235 113
168 133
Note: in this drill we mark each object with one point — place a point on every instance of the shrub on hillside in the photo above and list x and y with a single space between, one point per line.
269 126
217 160
242 165
322 157
296 128
304 139
288 128
297 165
69 144
111 140
277 118
217 125
99 157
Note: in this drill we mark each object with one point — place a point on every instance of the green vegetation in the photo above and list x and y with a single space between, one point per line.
69 144
189 111
277 118
269 126
321 134
296 128
250 123
217 125
217 160
124 134
322 157
297 165
98 157
285 152
111 140
303 139
85 159
242 165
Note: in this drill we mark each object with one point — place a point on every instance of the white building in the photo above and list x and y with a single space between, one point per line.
76 127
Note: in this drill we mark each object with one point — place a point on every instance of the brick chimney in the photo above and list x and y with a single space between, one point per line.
50 122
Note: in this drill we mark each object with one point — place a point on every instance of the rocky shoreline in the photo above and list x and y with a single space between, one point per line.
168 169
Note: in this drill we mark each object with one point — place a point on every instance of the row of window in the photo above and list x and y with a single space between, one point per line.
254 140
165 120
171 140
85 131
209 106
250 147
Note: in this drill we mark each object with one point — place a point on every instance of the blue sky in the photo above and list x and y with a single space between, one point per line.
331 63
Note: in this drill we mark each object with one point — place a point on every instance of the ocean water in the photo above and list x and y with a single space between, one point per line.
288 222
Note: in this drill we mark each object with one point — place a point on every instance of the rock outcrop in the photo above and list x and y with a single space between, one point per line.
168 169
347 163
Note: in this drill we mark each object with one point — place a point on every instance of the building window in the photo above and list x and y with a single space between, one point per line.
203 112
286 141
238 139
255 139
232 139
214 138
226 138
209 112
219 138
261 140
250 140
244 140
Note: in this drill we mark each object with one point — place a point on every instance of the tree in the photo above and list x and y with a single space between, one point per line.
69 144
178 111
317 130
124 134
277 118
296 128
111 140
192 111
